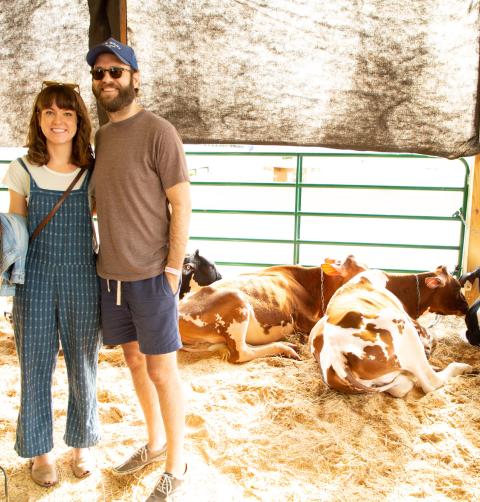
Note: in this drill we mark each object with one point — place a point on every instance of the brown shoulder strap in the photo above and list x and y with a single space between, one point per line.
56 207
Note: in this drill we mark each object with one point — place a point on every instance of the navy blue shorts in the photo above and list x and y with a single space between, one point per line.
148 313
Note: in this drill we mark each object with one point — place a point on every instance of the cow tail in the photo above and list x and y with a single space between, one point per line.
360 387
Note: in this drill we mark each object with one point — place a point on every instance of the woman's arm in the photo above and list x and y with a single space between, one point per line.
18 203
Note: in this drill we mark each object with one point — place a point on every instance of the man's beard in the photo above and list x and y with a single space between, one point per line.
125 96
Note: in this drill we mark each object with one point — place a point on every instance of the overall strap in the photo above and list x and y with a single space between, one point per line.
56 207
87 179
22 163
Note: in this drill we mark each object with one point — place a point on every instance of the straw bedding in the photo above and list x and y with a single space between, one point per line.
269 430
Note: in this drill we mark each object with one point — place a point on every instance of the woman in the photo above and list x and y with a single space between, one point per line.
60 296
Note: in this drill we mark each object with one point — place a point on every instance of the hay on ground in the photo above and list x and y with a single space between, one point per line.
269 430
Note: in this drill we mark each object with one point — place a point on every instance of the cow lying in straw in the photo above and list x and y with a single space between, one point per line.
250 314
368 342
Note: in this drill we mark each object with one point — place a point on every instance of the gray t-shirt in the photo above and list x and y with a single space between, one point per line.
137 159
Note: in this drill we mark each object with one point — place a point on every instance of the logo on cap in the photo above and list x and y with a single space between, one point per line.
111 43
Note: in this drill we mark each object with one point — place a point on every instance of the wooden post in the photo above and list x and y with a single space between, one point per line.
123 21
473 229
282 173
107 19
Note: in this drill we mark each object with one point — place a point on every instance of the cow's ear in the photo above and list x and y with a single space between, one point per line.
435 282
331 268
197 252
440 279
442 270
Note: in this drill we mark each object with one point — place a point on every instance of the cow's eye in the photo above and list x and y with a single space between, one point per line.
188 267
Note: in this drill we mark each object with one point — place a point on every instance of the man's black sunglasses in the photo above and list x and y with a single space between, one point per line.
114 71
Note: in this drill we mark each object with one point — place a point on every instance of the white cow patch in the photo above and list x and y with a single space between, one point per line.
376 277
197 321
219 322
236 331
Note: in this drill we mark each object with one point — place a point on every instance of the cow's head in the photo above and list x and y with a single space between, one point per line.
346 270
336 273
470 277
448 298
197 271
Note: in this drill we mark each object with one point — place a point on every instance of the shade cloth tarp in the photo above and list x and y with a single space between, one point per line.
382 75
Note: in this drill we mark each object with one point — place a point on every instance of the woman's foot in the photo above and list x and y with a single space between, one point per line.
43 470
83 463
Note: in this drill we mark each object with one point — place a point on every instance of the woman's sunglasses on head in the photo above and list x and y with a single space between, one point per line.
114 71
49 83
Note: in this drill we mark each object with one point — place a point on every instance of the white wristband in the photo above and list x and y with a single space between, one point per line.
173 271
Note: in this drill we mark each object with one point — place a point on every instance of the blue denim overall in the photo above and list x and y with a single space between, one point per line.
60 298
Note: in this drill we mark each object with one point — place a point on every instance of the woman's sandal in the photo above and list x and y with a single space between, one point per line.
44 475
83 467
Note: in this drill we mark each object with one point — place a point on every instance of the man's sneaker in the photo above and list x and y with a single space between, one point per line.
168 488
142 457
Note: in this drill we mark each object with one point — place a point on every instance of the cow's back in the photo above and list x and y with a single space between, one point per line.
356 301
276 294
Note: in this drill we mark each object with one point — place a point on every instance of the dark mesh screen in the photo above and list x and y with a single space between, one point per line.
383 75
380 75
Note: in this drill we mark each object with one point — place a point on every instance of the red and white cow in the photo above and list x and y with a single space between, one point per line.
368 342
250 314
436 291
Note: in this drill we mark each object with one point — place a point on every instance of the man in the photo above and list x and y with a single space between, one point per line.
143 206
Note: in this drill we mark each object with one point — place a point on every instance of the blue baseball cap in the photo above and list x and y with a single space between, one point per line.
122 51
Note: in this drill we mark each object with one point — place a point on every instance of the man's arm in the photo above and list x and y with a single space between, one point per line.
179 198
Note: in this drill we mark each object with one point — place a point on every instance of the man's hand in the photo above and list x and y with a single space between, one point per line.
173 281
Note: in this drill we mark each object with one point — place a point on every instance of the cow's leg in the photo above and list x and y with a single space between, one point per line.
401 386
249 352
454 369
411 356
428 340
241 352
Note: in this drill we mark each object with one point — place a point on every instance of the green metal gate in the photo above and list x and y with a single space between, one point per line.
449 202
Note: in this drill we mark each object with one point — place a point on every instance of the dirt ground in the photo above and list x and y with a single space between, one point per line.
269 430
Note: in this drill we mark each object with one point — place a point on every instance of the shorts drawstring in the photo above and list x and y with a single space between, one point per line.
119 292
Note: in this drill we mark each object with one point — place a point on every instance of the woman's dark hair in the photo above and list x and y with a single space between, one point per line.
65 97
